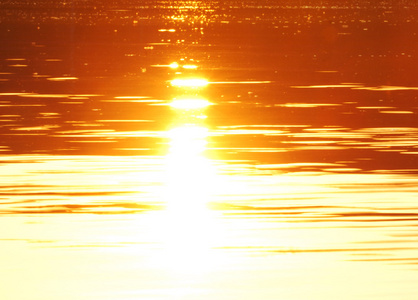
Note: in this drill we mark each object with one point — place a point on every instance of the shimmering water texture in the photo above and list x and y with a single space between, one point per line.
208 150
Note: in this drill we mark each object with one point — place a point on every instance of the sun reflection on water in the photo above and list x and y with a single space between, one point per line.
190 103
190 230
189 171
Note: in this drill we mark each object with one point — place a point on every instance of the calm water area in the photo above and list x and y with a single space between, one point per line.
208 150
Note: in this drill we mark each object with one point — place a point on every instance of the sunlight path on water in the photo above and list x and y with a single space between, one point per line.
187 227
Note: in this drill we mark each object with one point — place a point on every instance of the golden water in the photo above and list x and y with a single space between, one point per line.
205 150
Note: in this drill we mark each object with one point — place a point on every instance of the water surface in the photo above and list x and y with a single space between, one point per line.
183 150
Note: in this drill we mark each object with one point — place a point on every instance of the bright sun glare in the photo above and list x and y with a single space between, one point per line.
190 103
190 229
189 171
174 65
